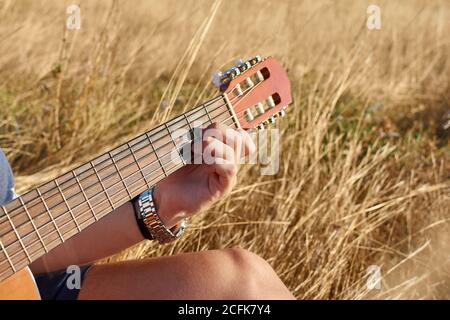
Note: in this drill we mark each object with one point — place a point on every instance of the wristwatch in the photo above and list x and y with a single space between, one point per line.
150 223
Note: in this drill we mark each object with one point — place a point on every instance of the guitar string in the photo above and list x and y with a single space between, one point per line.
83 213
129 153
61 215
163 127
198 109
87 212
38 198
169 142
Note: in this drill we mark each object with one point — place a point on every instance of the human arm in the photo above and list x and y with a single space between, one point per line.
182 194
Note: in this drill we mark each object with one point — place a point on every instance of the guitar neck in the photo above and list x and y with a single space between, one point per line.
36 222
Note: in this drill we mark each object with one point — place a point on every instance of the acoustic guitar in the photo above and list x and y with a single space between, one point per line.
253 94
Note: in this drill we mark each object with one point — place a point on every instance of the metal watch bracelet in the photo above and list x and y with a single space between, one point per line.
148 219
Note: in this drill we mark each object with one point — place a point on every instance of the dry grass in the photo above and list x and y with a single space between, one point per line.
364 175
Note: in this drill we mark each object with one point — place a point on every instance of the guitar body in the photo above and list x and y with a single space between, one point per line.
20 286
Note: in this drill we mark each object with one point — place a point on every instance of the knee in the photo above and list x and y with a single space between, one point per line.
250 274
246 261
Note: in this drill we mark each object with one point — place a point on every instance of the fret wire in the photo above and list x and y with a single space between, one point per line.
17 235
207 113
7 256
120 175
67 204
32 223
84 195
187 120
175 145
50 214
191 130
101 183
139 166
156 155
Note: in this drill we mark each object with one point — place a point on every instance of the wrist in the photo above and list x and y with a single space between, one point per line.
166 211
149 219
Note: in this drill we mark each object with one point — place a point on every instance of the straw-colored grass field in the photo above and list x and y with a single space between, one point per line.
365 157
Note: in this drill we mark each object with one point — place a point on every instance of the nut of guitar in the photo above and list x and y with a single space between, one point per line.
20 286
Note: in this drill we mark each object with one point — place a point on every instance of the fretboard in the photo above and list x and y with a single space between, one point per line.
41 219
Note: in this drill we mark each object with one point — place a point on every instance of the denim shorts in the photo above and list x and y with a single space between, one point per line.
54 285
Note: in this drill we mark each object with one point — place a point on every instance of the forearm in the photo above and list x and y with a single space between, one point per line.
113 233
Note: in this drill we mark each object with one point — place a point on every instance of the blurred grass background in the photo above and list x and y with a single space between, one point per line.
364 169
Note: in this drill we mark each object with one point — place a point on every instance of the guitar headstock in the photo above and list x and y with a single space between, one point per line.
258 90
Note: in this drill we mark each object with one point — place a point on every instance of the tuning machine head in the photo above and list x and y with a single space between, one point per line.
270 120
260 126
281 113
243 65
255 60
259 93
219 78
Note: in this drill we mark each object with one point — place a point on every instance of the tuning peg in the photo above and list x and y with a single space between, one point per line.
282 113
260 108
248 115
242 65
260 126
238 90
220 78
272 119
259 76
249 82
217 78
270 102
255 60
235 72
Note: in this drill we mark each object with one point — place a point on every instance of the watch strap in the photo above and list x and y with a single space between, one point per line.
146 213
